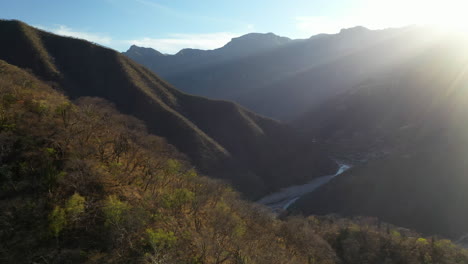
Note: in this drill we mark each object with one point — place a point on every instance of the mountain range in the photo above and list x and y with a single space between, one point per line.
407 129
392 102
190 59
283 81
101 157
220 138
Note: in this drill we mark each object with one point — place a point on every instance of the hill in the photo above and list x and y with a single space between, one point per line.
287 80
221 138
82 183
409 125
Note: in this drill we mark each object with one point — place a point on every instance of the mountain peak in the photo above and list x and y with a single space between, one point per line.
190 52
257 38
356 29
254 42
243 45
141 51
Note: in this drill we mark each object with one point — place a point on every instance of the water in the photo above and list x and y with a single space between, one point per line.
284 198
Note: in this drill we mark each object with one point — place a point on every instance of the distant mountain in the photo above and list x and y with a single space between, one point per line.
285 80
221 138
189 59
250 44
409 124
369 54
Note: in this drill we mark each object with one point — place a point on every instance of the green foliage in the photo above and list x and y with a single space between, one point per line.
57 220
177 199
50 151
37 107
75 206
115 211
173 166
422 241
160 240
64 111
60 217
395 234
191 174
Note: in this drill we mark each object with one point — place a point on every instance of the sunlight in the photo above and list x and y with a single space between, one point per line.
448 14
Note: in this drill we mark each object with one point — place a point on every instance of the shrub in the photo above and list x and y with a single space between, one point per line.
75 206
160 240
177 199
57 220
115 211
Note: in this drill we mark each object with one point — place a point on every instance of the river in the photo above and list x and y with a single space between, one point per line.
284 198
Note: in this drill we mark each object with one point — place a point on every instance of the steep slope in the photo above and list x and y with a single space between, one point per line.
415 92
413 119
82 183
221 138
287 80
372 54
189 59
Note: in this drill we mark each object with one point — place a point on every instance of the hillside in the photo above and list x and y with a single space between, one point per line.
409 125
285 81
82 183
221 138
372 54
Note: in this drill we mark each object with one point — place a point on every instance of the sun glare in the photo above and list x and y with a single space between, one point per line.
448 14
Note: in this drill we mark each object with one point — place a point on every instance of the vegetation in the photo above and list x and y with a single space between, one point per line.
82 183
220 138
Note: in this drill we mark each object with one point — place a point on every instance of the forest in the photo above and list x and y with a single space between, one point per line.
82 183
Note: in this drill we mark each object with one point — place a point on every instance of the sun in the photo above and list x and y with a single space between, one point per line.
449 14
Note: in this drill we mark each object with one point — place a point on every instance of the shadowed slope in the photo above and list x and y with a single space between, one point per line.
416 116
286 80
220 137
82 183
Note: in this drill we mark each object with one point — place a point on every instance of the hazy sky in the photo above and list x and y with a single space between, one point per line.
170 25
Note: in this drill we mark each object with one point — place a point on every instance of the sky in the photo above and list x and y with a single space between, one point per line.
170 25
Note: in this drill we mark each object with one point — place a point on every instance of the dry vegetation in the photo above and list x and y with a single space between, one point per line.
81 183
220 138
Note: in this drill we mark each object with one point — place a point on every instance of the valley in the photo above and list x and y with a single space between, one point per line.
284 198
343 148
394 99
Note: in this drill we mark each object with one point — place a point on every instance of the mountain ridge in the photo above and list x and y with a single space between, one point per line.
231 148
248 79
189 58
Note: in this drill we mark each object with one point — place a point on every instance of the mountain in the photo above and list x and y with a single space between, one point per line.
409 125
285 81
82 183
368 54
221 138
251 43
189 59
